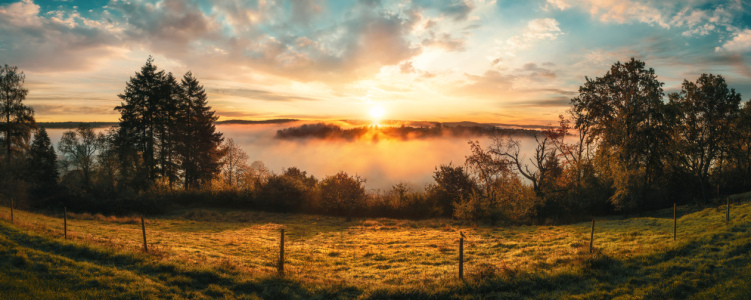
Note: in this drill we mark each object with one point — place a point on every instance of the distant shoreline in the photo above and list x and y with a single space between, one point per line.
71 124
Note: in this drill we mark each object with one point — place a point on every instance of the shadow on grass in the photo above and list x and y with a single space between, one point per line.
38 266
48 267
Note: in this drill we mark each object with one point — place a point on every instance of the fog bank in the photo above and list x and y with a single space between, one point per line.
382 162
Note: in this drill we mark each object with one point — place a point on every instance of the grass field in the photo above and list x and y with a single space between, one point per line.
231 254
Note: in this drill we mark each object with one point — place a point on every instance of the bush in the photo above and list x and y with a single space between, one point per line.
509 201
451 184
341 195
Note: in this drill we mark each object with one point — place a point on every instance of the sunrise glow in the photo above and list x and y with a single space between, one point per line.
375 149
489 61
377 112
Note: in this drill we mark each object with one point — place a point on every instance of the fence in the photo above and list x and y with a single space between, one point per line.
391 251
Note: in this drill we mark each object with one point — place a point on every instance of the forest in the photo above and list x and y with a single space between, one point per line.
624 146
402 132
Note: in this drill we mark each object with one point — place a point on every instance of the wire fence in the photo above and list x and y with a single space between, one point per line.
373 251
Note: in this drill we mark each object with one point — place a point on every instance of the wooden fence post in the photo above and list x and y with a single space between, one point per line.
11 209
143 228
592 237
675 222
281 253
65 222
461 258
727 214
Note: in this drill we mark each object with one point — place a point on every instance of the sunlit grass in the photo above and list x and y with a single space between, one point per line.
392 255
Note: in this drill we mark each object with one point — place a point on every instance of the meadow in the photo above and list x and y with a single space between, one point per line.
195 253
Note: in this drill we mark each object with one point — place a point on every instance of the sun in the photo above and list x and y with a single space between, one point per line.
377 112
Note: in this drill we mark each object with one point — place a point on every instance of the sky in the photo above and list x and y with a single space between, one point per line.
474 60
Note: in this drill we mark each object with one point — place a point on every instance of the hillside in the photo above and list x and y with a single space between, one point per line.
202 253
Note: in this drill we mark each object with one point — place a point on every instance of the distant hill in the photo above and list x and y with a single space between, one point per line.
271 121
71 125
419 127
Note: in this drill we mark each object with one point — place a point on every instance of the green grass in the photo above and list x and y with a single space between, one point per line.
231 254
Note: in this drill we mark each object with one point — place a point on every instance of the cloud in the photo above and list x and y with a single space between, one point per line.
740 43
624 11
458 10
224 113
261 95
62 109
551 102
444 41
536 30
491 84
529 81
699 18
730 59
238 38
701 30
53 41
345 50
537 73
408 68
542 29
170 26
559 4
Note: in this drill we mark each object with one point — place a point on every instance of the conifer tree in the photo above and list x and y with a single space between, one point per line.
136 139
168 122
42 160
200 142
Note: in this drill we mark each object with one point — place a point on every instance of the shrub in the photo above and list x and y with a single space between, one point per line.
342 194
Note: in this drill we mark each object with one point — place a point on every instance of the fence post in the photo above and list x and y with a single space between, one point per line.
143 228
65 222
592 236
11 209
281 253
461 258
727 214
675 222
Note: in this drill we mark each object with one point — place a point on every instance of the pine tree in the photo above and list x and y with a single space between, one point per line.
168 121
136 139
200 142
42 160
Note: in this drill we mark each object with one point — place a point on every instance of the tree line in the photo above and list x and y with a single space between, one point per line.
165 138
624 146
633 148
403 132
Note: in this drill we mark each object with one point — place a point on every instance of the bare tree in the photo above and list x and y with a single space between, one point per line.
78 149
235 163
540 165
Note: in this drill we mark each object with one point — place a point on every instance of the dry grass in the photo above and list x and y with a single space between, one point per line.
383 253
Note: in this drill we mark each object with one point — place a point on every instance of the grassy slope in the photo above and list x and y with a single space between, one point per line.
198 254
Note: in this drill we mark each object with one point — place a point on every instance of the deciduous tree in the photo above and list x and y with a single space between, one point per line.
17 119
78 148
234 164
342 194
624 112
706 109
